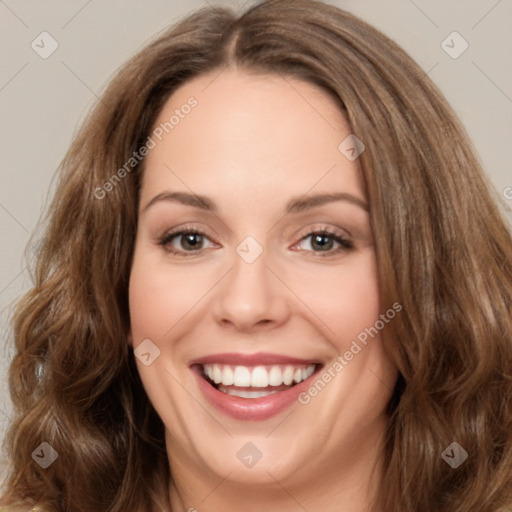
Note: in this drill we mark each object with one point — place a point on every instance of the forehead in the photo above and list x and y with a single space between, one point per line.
250 131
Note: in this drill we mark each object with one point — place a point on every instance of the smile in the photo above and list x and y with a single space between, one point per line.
255 382
252 387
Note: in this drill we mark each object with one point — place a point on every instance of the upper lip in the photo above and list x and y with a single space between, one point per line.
257 359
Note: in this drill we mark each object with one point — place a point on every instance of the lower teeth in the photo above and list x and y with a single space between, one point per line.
247 394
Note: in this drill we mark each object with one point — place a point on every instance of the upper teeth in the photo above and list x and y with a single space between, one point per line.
257 376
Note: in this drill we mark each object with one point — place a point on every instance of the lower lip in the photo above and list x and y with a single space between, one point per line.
250 409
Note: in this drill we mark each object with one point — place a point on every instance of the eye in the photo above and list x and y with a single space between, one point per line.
185 241
324 241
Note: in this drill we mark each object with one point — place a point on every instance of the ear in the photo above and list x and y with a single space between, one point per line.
129 338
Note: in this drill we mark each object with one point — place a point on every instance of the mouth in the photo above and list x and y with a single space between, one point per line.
239 387
255 382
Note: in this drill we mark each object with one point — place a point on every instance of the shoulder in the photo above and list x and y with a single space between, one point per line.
31 510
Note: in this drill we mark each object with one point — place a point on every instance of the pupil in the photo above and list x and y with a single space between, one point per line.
192 241
322 241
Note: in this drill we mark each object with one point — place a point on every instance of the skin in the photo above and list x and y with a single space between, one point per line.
252 144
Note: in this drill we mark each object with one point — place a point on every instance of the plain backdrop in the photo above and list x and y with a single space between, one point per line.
43 100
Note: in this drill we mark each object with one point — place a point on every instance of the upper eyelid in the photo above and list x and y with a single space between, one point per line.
317 226
309 231
183 230
323 228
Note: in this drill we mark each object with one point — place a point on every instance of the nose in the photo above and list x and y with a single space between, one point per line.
251 297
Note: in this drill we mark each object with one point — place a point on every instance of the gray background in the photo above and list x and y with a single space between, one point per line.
42 101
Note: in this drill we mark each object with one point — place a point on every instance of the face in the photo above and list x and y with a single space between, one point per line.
254 285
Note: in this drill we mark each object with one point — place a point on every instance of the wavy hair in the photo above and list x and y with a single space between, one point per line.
444 252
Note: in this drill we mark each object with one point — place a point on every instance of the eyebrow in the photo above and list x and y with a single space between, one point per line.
295 205
305 203
201 202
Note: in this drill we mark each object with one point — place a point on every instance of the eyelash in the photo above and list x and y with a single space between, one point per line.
345 244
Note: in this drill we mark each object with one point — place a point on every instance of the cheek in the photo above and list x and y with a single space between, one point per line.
166 297
345 298
154 303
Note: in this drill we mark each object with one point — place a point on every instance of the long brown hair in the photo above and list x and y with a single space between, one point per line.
443 251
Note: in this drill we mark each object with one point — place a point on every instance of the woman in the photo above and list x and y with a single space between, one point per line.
273 276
